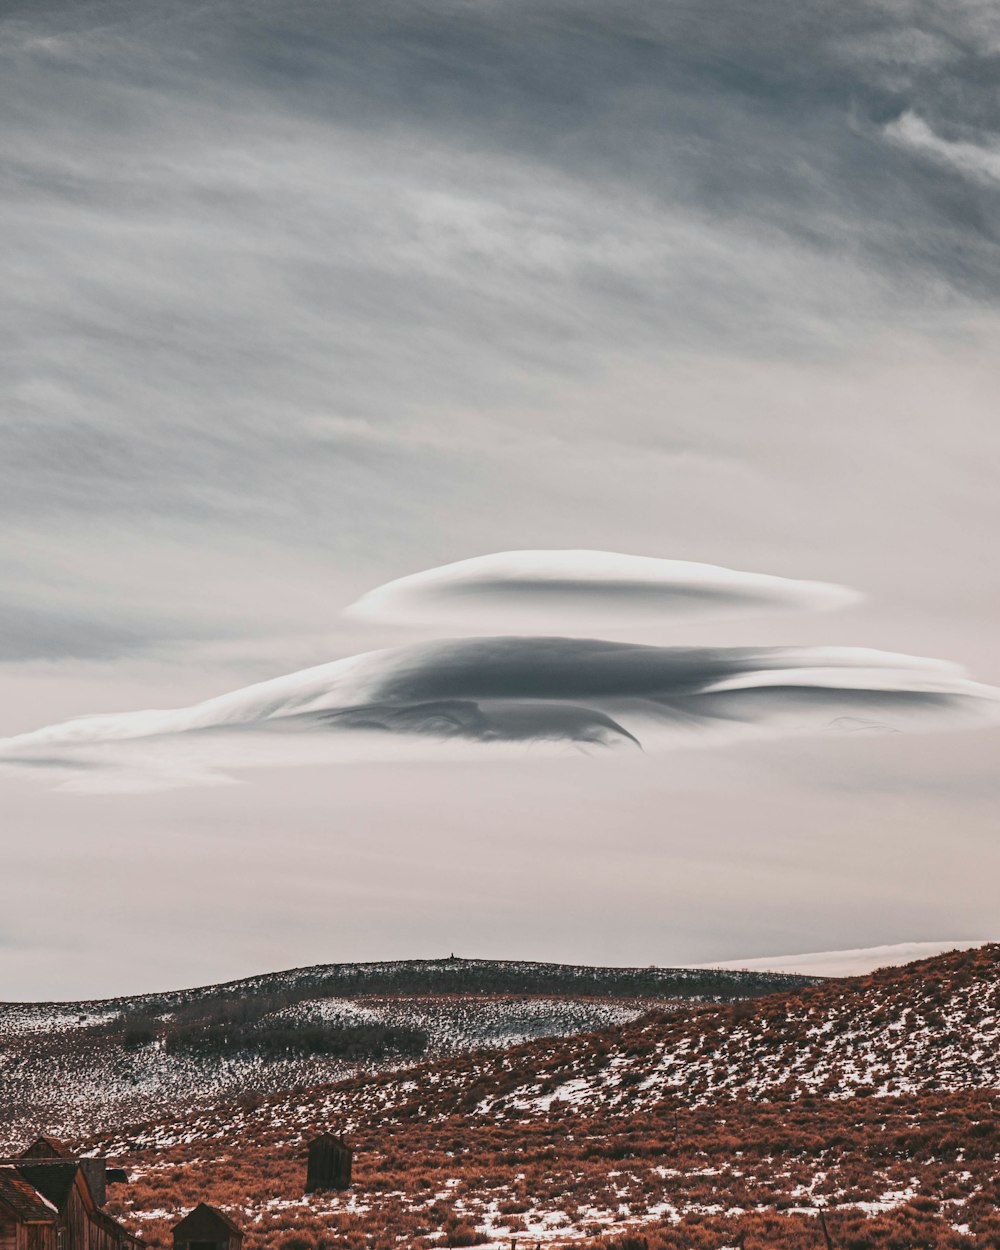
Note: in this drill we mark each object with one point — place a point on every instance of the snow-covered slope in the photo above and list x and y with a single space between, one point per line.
78 1067
931 1025
873 1097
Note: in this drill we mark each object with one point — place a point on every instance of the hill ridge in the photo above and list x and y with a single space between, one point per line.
354 971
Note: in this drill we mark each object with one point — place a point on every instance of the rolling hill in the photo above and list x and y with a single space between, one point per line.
873 1100
76 1068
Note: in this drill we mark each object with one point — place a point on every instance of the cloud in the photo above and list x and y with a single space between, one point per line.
534 588
299 296
850 963
254 245
980 161
305 276
447 697
63 626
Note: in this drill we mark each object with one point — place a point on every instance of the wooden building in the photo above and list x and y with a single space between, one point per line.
330 1163
207 1228
45 1149
50 1200
84 1226
27 1220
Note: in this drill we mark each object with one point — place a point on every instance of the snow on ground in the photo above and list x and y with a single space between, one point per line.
58 1067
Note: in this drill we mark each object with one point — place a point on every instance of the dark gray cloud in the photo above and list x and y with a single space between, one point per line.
331 276
32 634
511 690
774 116
48 630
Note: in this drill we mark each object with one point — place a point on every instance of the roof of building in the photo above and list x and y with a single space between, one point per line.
23 1199
204 1223
54 1178
45 1147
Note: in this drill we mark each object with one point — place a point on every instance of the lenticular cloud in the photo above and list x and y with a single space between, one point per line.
537 589
512 693
503 694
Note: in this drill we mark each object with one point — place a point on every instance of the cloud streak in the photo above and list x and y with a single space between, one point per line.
979 161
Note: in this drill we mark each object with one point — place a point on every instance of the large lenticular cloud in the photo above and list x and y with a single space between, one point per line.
509 692
512 693
544 588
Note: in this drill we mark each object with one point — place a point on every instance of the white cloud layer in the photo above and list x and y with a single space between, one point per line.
850 963
535 589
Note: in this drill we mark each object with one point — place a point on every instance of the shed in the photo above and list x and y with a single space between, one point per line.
330 1162
207 1228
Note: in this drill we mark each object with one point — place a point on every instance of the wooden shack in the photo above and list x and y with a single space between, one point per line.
330 1163
207 1228
48 1149
65 1184
47 1204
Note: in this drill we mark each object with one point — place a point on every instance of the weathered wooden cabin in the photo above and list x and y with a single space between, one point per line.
330 1163
84 1226
45 1149
207 1228
50 1200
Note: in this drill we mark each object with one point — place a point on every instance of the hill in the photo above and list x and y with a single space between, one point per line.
81 1067
874 1099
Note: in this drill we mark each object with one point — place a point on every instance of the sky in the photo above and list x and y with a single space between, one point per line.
303 298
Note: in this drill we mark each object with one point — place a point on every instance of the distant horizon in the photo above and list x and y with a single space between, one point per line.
852 962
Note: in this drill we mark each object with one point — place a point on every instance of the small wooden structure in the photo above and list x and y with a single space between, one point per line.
48 1150
207 1228
330 1162
48 1204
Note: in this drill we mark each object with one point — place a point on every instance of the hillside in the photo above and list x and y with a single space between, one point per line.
82 1067
874 1098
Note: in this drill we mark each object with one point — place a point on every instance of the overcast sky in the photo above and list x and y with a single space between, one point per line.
304 296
